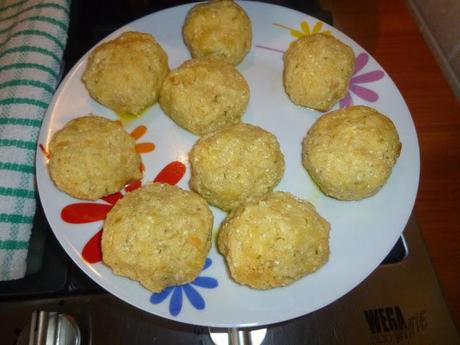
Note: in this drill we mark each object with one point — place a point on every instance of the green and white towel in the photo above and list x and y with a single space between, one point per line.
33 35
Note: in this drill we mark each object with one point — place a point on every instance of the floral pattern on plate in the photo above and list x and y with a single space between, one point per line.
363 93
193 296
356 89
305 29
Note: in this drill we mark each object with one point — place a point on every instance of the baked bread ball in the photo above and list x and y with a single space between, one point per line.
235 164
317 70
158 235
274 241
204 94
350 152
91 157
126 74
218 28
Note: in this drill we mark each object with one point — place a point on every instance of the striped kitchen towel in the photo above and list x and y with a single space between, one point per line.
33 34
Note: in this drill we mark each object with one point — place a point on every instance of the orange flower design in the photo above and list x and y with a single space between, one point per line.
137 133
146 147
141 148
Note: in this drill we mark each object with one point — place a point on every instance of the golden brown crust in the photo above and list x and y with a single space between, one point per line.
126 73
235 164
350 152
158 235
91 157
274 241
205 94
218 28
317 70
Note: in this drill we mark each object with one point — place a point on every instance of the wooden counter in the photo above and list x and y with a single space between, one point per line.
387 30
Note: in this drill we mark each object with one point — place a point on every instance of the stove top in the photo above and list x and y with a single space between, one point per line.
400 303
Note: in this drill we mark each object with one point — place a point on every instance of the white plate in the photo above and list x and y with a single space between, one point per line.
362 232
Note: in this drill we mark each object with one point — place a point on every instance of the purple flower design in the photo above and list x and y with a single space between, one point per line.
194 297
358 90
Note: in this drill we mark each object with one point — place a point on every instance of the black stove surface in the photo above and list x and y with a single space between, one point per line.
50 271
54 282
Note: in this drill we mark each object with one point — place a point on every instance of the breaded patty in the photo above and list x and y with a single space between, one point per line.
125 74
204 94
350 153
158 235
235 164
218 28
274 241
91 157
317 70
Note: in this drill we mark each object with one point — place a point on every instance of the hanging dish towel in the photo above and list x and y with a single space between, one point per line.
33 34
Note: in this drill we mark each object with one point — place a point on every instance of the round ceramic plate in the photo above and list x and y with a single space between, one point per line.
362 233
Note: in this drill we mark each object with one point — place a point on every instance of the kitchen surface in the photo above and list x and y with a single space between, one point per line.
411 298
